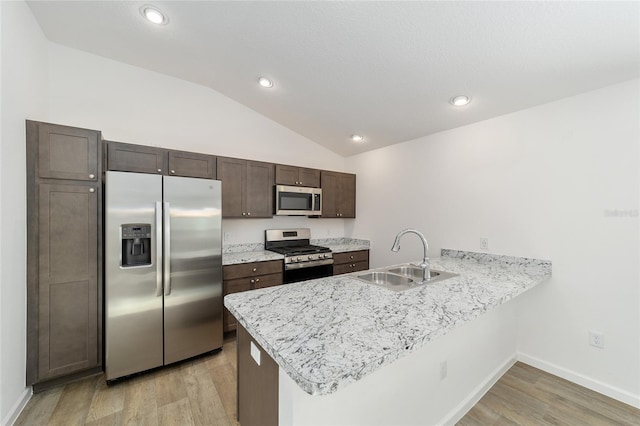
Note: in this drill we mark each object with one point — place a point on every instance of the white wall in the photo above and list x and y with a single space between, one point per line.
24 61
130 104
538 183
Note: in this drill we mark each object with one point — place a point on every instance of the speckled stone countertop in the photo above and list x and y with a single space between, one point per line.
329 332
255 252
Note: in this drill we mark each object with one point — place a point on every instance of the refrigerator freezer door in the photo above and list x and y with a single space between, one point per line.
193 301
133 304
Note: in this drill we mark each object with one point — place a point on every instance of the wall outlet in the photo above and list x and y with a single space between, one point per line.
596 339
484 243
225 236
443 370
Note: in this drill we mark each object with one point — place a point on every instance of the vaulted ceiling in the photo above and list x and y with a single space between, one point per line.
384 70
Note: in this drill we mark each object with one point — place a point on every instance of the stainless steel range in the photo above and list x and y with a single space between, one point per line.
302 261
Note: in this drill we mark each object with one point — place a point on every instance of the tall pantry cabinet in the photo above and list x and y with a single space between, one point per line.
64 252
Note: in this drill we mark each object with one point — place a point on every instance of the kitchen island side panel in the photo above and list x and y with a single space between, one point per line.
411 390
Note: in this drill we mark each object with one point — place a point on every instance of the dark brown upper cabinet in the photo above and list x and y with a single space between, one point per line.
67 152
126 157
338 195
64 253
297 176
191 164
247 187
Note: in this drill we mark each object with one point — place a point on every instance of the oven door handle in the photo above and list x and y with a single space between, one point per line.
301 265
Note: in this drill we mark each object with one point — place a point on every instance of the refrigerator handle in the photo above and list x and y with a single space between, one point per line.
167 250
158 249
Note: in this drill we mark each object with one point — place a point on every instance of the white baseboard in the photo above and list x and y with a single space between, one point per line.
582 380
15 411
472 399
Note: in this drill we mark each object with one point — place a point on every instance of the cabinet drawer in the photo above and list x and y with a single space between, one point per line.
251 283
351 257
241 270
345 268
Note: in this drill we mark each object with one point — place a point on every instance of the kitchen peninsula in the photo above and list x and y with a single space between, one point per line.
349 352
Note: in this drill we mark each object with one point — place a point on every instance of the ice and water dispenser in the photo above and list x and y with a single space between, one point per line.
136 244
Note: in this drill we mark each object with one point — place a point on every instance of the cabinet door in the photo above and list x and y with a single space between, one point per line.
191 164
309 177
233 286
259 189
135 158
267 281
231 171
347 195
67 152
329 181
68 299
286 175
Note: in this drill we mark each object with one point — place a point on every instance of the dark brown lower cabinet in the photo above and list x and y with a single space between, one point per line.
257 383
248 276
350 261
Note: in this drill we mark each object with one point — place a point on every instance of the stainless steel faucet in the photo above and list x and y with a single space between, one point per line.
426 272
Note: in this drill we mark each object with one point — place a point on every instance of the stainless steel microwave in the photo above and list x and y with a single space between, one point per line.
298 201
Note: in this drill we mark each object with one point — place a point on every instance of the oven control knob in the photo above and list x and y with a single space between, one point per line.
298 259
310 257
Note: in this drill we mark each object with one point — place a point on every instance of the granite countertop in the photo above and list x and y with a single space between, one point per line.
255 252
329 332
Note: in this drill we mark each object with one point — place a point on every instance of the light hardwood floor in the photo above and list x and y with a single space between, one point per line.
197 392
528 396
203 392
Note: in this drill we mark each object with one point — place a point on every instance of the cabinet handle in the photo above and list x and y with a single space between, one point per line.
254 269
91 176
257 280
92 190
249 214
159 170
244 214
351 257
300 182
173 172
252 281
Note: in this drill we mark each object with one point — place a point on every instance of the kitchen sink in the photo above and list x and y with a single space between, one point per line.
402 277
385 279
412 272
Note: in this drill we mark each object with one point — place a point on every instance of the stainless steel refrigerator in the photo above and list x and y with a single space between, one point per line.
163 270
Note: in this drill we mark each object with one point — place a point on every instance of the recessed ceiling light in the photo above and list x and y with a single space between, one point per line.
357 138
460 100
265 82
153 14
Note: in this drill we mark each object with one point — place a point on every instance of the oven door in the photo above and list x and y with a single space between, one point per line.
297 201
310 273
